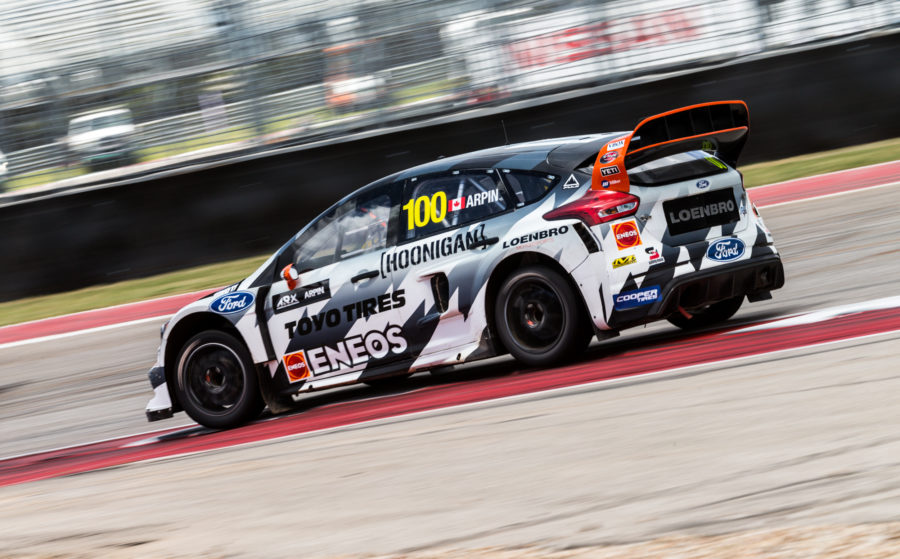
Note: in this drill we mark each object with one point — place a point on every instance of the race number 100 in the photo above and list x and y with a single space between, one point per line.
424 210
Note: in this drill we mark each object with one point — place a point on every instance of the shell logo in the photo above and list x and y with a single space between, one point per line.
295 366
626 234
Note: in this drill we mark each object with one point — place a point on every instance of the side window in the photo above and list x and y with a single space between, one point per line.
441 202
359 225
317 246
528 186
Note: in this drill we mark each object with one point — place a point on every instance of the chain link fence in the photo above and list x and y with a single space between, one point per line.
95 89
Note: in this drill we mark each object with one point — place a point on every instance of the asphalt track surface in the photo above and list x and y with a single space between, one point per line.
798 437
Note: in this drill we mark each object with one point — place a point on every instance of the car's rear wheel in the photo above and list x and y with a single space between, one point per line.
216 382
539 318
708 315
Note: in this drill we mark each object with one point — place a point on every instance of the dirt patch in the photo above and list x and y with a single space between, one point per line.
867 541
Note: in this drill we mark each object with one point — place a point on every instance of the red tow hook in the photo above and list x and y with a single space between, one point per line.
684 313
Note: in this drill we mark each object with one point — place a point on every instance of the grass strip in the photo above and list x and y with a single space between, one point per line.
214 275
99 296
800 166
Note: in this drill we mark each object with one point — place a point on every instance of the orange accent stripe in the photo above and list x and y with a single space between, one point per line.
688 138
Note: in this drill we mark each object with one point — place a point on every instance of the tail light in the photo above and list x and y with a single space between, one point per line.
597 206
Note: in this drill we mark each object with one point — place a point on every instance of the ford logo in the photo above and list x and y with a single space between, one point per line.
702 184
232 302
725 250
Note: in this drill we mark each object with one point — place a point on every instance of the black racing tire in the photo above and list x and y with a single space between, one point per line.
539 318
708 315
216 381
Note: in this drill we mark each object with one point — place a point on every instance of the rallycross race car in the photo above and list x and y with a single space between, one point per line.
528 249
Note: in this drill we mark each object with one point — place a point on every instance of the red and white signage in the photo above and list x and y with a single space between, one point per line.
626 233
295 365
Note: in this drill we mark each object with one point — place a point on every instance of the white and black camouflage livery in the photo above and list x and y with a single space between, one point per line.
529 249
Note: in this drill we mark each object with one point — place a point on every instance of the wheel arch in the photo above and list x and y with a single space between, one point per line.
183 331
506 267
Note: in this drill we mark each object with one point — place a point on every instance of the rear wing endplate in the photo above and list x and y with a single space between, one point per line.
718 127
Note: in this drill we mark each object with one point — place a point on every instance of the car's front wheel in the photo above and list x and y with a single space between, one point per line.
216 381
539 318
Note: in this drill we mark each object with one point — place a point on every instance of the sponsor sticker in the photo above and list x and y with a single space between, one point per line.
538 236
716 162
352 312
604 184
654 256
636 298
624 261
295 366
626 234
571 182
611 170
232 302
301 296
357 350
616 144
473 200
396 259
725 250
608 156
715 207
701 184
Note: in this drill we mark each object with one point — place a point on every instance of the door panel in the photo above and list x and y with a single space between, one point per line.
446 228
342 317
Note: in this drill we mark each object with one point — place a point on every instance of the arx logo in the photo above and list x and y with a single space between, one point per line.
301 296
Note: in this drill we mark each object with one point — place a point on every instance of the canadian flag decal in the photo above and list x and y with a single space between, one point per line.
456 204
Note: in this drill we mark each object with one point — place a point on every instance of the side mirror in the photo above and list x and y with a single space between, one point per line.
290 275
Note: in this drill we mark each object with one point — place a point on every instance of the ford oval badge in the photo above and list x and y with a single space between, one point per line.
725 250
232 302
702 183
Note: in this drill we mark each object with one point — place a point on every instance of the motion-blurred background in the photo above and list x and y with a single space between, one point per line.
92 90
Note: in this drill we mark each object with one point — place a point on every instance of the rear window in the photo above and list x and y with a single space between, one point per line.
528 187
678 167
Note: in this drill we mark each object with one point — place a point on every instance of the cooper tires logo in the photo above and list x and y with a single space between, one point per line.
636 298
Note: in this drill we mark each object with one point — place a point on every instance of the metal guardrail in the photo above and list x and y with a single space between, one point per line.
259 72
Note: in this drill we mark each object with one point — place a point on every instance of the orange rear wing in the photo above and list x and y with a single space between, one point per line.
720 127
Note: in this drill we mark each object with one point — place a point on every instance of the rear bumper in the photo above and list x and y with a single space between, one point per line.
705 287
